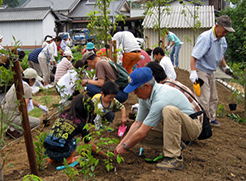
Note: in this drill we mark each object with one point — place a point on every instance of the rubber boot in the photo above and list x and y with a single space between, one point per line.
71 159
50 161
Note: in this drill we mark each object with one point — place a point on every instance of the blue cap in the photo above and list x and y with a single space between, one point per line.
138 77
65 36
89 46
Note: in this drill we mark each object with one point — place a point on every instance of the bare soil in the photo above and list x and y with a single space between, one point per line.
222 157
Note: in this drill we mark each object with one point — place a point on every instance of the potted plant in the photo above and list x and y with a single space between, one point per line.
235 98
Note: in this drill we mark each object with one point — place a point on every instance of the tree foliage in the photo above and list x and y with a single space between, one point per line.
190 11
100 22
158 10
236 51
11 3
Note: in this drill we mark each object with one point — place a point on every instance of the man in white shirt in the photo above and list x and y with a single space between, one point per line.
165 62
131 48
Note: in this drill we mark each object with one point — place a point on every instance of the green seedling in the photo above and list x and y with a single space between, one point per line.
71 172
39 150
31 178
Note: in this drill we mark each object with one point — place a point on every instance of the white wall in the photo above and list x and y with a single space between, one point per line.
186 49
49 25
28 32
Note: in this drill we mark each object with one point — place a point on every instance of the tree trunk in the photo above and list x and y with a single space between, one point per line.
1 170
244 93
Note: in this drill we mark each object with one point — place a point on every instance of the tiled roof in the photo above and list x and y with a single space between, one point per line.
178 20
84 8
56 5
23 14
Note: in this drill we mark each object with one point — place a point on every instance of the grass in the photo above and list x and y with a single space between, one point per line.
41 98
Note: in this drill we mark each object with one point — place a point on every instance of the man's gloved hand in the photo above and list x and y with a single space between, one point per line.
193 76
229 71
167 47
44 108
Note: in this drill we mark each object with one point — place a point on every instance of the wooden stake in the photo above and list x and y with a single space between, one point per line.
163 43
114 52
25 121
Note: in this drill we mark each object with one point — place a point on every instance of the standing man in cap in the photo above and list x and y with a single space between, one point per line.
163 118
206 56
10 104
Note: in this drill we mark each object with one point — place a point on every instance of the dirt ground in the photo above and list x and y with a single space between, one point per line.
222 157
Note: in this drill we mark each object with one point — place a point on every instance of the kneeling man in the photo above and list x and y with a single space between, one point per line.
162 118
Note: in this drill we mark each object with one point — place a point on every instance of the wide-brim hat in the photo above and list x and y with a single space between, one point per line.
30 73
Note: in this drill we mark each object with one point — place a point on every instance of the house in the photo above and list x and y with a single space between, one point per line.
73 13
29 25
180 24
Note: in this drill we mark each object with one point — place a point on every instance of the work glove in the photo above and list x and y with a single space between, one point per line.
168 47
229 71
44 108
193 76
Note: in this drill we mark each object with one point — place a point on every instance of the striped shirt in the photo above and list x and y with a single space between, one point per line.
62 68
193 103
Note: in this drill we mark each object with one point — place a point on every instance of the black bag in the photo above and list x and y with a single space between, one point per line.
206 127
122 74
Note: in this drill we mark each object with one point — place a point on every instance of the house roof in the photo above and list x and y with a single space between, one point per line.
24 14
178 20
84 8
56 5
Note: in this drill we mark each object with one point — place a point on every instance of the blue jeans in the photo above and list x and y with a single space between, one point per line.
175 50
59 156
92 90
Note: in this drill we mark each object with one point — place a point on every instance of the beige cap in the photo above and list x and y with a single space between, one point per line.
68 53
30 73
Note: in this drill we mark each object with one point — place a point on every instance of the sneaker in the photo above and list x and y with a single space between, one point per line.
214 123
171 163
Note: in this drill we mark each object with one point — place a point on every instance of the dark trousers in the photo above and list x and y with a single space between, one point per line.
92 90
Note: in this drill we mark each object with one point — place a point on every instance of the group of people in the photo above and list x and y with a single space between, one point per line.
168 110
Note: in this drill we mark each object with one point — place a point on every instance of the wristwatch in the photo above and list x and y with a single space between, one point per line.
86 82
125 146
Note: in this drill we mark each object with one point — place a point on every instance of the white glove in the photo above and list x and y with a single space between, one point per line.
44 108
193 76
168 47
227 67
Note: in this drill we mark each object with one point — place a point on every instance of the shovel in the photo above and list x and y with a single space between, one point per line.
71 165
121 130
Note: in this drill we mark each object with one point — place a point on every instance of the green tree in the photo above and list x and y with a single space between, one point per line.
237 41
100 22
190 11
236 50
11 3
158 10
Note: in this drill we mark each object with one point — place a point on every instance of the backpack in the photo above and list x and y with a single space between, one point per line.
121 73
